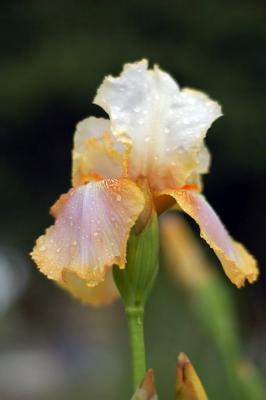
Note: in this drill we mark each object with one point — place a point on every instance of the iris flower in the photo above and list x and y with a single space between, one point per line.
155 134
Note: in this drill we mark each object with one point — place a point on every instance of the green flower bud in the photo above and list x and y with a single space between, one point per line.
146 390
136 280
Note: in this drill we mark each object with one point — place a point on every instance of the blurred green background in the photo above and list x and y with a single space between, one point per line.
54 54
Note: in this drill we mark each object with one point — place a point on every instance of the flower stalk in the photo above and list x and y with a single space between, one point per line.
135 283
135 318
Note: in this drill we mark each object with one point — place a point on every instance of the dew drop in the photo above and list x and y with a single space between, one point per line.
91 283
42 248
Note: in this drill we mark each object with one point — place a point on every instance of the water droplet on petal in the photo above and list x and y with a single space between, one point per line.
91 283
42 248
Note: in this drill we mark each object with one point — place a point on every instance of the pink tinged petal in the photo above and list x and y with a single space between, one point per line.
91 230
103 294
237 263
165 125
96 153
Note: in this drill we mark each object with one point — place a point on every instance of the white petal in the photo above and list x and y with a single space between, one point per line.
165 125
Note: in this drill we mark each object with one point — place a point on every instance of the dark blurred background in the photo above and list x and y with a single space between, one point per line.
54 54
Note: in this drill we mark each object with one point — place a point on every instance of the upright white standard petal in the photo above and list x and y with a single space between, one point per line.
165 125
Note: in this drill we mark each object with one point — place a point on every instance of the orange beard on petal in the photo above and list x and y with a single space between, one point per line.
164 202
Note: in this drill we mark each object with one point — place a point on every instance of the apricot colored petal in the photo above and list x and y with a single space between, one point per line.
237 263
97 154
146 390
91 230
165 125
102 294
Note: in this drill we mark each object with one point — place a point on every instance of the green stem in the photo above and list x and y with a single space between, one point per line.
135 317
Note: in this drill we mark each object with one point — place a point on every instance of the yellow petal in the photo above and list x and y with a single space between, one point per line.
102 294
91 230
97 154
188 384
237 263
165 125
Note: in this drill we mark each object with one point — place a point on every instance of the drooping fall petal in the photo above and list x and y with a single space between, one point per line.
91 230
188 384
165 125
102 294
146 390
97 154
237 263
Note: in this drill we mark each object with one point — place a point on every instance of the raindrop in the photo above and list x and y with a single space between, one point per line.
91 283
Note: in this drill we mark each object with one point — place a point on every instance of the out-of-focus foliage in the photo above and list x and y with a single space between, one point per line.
212 304
53 57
